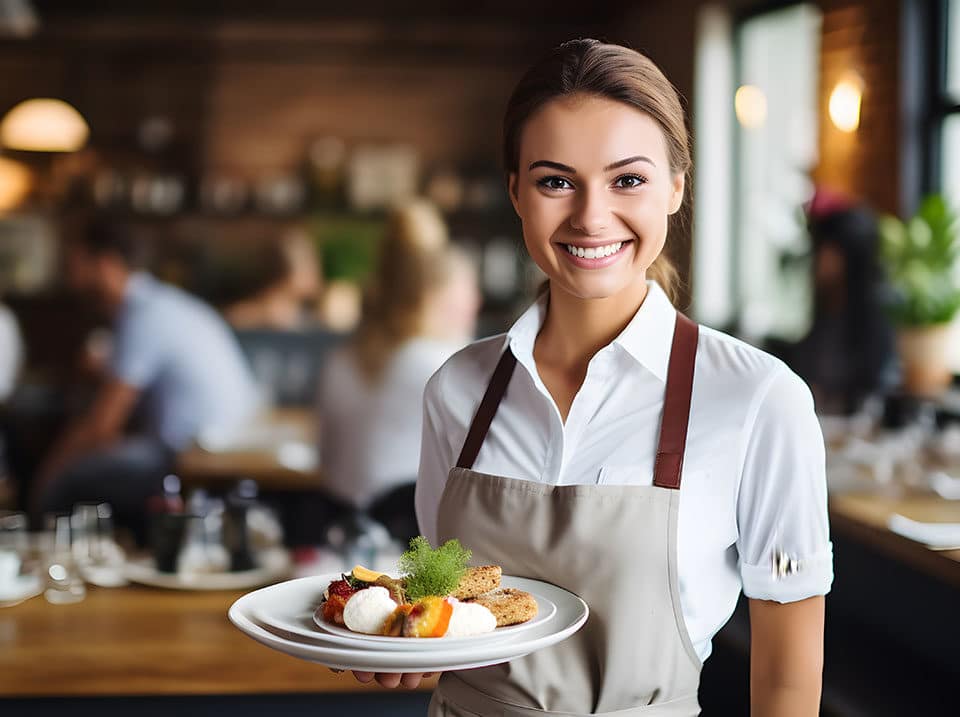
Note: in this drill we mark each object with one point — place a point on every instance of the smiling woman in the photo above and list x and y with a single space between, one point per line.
532 121
602 204
558 449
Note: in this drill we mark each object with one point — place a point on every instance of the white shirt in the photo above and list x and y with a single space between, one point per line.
370 434
11 352
753 478
184 358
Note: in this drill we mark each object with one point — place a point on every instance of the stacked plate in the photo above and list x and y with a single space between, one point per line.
282 617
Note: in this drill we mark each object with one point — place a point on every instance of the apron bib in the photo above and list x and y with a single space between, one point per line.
613 545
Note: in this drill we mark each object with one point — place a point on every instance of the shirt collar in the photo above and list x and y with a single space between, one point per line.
647 338
138 286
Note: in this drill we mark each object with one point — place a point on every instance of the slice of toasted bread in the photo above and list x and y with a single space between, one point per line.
509 605
477 581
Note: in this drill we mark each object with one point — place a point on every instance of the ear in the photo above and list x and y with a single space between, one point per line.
676 198
513 189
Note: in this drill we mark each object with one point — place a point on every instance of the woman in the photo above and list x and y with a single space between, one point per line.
287 283
849 353
420 309
603 398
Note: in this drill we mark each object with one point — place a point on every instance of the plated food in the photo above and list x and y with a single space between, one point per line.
436 595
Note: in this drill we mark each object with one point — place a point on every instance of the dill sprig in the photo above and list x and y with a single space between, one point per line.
430 571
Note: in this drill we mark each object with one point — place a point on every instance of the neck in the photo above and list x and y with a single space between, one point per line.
575 329
115 288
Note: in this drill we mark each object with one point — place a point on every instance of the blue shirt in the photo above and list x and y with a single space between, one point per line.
182 355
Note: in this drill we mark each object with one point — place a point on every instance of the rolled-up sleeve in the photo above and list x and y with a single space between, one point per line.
436 458
782 502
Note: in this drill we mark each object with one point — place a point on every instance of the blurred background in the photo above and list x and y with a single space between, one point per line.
296 212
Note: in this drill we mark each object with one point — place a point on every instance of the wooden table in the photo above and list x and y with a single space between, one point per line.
141 641
216 468
864 517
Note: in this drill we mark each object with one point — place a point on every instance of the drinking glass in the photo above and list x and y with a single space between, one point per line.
64 583
13 545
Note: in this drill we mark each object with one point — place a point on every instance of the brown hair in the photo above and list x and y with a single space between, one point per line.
412 262
618 73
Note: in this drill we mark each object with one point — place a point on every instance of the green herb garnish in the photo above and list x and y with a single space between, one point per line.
433 572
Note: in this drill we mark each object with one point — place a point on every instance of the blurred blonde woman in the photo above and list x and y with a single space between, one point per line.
420 308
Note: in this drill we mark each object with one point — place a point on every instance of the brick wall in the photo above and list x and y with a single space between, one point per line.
863 37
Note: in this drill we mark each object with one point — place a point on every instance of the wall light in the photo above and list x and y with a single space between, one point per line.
844 104
750 104
44 125
15 180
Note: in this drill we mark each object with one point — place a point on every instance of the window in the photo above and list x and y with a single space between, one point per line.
949 160
756 134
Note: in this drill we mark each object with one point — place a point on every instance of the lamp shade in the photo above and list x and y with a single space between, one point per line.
15 183
44 125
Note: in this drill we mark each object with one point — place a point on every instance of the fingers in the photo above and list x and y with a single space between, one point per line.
407 680
388 679
411 680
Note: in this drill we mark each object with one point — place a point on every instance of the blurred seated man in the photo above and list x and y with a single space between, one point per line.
173 358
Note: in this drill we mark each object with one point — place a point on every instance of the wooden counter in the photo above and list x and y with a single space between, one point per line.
864 517
141 641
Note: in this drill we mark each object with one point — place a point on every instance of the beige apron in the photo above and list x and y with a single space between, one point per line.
613 545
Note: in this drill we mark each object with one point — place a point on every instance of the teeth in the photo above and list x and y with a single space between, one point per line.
594 252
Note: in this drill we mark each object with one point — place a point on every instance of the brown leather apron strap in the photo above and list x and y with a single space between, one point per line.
676 404
488 409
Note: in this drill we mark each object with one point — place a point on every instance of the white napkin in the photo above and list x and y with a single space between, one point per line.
939 536
946 486
15 590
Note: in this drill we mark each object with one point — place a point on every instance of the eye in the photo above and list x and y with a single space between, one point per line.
629 181
554 183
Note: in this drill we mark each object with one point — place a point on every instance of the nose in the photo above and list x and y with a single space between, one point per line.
591 214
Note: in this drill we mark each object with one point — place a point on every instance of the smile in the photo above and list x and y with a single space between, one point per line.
594 252
595 257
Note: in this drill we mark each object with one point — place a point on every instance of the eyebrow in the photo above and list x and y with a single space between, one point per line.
566 168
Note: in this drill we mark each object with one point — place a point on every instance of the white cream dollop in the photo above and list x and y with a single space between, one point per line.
469 618
368 609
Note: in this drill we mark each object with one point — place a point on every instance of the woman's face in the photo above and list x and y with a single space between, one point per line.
593 191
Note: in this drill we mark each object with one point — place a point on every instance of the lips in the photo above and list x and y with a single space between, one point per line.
596 255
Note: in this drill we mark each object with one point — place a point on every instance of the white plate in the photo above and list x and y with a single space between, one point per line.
293 615
144 572
571 613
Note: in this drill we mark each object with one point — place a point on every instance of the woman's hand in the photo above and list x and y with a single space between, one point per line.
408 680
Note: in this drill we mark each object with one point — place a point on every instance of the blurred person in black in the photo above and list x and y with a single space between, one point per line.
173 362
848 354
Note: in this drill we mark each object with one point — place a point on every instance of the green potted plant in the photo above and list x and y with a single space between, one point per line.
920 257
347 245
